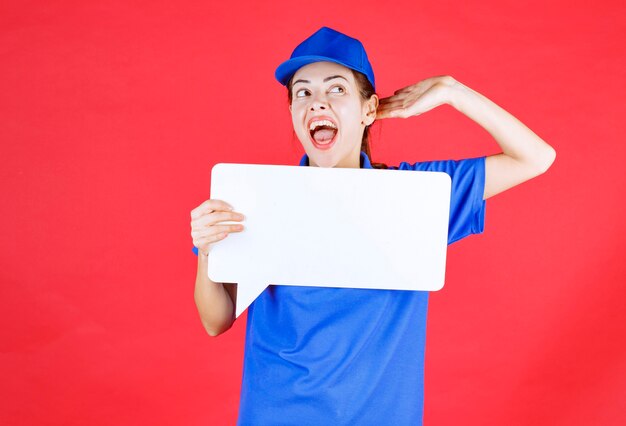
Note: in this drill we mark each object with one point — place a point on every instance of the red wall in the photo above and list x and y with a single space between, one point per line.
112 115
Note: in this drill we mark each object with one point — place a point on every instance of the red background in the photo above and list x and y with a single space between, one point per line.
113 114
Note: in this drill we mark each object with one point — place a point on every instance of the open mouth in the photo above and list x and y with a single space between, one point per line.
323 132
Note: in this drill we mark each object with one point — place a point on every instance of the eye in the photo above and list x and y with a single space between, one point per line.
341 89
300 93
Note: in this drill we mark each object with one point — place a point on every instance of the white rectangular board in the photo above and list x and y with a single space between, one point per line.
331 227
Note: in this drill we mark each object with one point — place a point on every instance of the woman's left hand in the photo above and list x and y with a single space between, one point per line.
417 98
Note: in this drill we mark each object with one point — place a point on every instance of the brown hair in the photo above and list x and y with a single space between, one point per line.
366 91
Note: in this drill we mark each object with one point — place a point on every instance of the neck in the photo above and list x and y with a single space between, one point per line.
352 161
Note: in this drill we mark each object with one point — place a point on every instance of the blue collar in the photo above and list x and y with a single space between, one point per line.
365 161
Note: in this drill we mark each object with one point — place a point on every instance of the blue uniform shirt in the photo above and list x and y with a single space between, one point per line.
344 356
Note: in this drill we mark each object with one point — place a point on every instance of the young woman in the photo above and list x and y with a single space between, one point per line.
341 356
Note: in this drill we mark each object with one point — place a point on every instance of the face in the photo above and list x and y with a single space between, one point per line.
329 115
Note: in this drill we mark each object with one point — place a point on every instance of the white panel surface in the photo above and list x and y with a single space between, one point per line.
331 227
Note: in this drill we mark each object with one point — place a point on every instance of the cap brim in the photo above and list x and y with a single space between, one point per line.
288 68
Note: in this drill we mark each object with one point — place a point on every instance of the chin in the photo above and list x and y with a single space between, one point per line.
322 160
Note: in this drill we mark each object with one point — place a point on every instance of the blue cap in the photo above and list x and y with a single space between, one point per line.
327 44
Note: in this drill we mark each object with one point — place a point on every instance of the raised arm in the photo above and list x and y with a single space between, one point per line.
524 154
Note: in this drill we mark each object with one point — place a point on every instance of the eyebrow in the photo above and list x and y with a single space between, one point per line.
325 80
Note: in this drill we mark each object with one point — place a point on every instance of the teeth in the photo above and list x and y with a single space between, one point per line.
315 124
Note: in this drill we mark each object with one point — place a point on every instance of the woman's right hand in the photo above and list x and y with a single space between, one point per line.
205 230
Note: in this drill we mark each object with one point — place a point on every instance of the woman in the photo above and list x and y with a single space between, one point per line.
343 356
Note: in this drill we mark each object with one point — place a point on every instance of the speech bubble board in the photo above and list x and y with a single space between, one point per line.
331 227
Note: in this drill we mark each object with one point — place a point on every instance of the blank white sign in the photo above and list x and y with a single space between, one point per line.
331 227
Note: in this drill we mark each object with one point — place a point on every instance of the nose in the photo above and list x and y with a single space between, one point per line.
318 102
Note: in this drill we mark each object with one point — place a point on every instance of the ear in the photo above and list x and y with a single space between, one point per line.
289 107
370 108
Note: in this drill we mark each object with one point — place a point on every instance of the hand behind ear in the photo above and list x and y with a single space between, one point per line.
416 98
